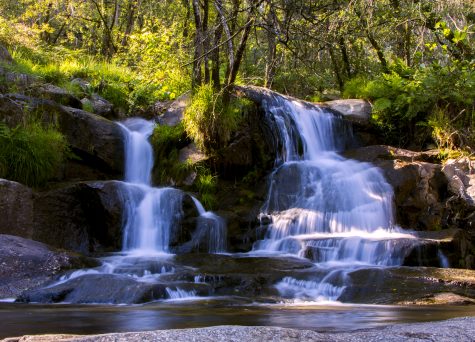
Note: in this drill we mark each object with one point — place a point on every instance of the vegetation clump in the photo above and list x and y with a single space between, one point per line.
31 154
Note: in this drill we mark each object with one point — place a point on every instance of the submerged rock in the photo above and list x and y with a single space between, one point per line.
27 264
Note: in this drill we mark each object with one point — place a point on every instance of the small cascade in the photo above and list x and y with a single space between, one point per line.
334 211
210 228
152 214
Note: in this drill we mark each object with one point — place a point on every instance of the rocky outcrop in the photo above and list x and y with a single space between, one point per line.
458 329
16 208
97 141
83 217
354 110
420 187
174 113
100 106
57 94
27 264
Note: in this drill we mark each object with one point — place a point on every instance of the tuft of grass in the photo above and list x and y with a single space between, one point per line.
31 154
209 121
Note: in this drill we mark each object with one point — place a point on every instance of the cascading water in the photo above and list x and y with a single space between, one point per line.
150 213
334 211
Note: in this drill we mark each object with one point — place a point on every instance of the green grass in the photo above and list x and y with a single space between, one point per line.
31 154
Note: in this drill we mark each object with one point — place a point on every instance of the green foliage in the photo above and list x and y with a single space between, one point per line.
166 142
209 121
206 185
31 154
406 102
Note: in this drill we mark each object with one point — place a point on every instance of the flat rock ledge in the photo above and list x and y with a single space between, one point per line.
458 329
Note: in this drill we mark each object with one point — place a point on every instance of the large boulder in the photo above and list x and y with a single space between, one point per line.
420 187
27 264
358 111
83 217
16 208
97 142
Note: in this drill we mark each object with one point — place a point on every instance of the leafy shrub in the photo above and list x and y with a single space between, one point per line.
209 121
407 103
31 154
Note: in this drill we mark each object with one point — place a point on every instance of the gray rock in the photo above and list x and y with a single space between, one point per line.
57 94
355 110
100 106
16 208
174 113
458 329
27 264
94 138
461 178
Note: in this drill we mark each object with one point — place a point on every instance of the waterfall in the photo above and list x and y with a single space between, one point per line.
151 214
335 211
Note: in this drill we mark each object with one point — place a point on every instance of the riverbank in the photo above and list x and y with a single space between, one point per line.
458 329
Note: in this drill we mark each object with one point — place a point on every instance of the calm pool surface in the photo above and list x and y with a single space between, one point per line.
21 319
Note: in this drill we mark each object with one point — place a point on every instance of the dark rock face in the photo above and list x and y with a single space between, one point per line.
27 264
97 141
16 208
57 94
420 187
93 138
83 217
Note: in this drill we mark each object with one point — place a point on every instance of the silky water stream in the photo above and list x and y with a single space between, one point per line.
330 238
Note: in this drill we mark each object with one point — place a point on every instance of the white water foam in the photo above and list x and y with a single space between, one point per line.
322 206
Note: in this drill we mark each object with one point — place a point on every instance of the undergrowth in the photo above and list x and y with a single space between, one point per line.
31 154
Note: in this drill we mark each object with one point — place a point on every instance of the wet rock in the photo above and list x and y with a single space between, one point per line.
354 110
27 264
420 187
444 298
58 95
16 208
395 285
174 114
83 217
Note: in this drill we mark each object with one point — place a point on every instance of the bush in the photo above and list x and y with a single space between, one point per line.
407 103
31 154
209 121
